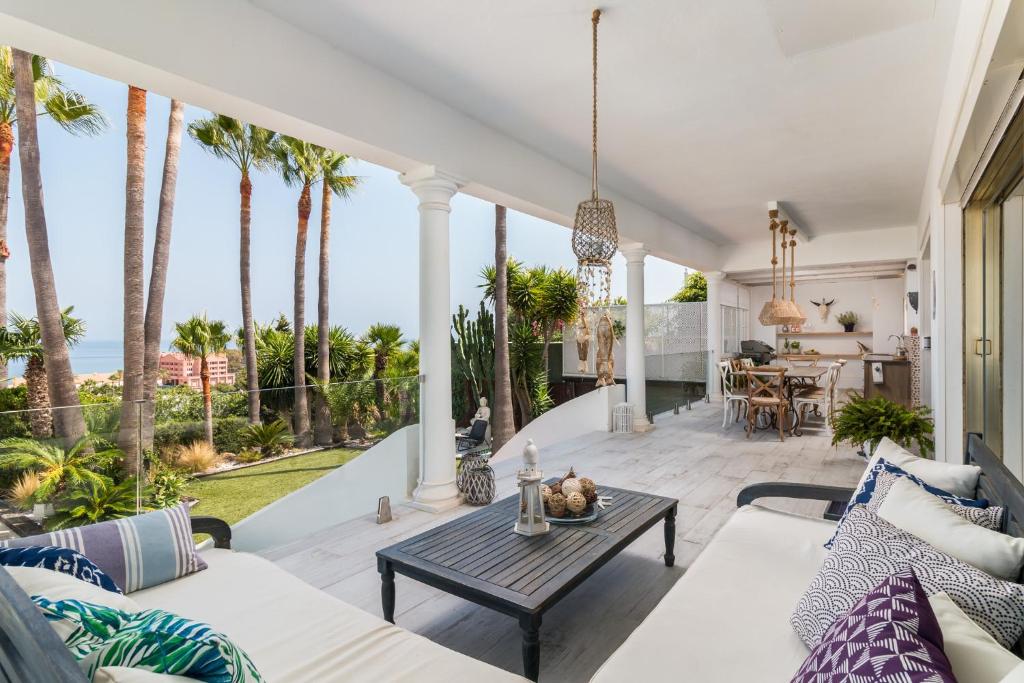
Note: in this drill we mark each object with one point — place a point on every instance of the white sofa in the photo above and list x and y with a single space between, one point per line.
727 618
296 633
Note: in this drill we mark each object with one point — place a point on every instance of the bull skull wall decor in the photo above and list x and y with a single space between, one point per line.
823 308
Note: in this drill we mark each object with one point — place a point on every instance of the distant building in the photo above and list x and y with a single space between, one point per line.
178 369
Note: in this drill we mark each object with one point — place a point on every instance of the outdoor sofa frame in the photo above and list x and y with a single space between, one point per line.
31 651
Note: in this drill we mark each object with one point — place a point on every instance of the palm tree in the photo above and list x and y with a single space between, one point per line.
201 338
23 341
58 468
335 182
386 341
70 424
503 425
248 148
301 164
557 305
158 273
134 277
67 108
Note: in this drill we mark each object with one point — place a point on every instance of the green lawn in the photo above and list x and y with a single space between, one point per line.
232 496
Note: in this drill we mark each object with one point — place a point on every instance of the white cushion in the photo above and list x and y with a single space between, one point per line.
960 480
727 618
929 518
57 586
126 674
975 656
1015 676
294 632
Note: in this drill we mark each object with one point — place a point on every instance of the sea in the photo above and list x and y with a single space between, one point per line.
89 356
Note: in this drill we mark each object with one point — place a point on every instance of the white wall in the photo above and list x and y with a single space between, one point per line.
584 414
388 469
861 246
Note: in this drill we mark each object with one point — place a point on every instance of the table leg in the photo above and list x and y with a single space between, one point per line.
387 590
670 538
529 624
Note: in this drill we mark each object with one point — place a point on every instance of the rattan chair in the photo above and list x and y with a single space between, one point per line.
766 390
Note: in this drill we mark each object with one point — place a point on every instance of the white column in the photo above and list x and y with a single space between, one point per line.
714 279
636 371
436 490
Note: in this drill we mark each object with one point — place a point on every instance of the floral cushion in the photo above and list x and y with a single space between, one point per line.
136 552
883 474
152 640
867 549
62 560
890 635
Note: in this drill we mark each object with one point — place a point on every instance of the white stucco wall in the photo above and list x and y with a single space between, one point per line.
388 469
590 412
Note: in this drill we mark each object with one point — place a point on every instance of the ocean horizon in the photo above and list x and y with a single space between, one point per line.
87 357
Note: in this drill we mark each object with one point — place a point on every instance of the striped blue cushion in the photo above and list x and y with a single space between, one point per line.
61 560
136 552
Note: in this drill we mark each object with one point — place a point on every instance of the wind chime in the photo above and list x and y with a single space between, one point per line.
595 239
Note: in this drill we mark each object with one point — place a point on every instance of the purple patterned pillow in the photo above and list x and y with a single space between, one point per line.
136 552
890 635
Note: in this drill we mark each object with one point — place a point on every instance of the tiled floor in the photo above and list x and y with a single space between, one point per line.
688 456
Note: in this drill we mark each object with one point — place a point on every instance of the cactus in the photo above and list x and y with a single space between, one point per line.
473 350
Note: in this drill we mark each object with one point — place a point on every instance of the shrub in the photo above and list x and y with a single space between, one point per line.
95 501
169 435
249 456
13 424
166 484
23 493
269 438
197 456
229 433
868 420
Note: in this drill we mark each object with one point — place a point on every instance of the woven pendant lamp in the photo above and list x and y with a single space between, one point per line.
774 309
789 313
595 238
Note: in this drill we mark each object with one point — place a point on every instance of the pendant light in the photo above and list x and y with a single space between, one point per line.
774 309
594 235
801 316
788 313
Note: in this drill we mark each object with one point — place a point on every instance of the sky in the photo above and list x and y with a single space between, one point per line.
374 251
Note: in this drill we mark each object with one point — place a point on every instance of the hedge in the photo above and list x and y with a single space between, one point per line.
227 434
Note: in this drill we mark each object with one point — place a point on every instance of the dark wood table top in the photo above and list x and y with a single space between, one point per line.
480 557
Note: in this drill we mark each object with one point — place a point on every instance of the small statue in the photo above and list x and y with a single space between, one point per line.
605 359
483 412
582 340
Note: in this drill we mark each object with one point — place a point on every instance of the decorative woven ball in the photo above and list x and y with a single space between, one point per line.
556 505
588 488
575 502
570 486
545 492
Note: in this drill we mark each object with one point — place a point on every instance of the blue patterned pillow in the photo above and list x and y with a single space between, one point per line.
136 552
153 640
866 493
63 560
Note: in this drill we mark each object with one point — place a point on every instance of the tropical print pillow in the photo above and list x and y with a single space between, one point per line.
63 560
152 639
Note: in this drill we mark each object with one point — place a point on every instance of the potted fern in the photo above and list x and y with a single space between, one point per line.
863 422
848 320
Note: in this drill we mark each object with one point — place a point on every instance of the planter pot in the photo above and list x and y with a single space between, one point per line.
848 327
41 511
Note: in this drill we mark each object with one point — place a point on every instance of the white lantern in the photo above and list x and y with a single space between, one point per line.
531 521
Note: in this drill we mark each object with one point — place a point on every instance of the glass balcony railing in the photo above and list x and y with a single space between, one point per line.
177 447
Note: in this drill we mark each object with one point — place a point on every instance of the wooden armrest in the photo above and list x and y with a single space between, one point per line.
781 489
217 528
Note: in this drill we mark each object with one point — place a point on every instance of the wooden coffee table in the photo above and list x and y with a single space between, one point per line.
480 558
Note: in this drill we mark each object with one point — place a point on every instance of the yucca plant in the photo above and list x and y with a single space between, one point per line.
269 439
868 420
96 502
57 468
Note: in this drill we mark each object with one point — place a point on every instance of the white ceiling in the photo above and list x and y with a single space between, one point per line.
708 110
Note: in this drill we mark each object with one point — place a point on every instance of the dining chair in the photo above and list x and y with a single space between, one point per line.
733 394
818 399
766 389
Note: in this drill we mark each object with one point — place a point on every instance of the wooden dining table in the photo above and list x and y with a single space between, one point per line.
794 375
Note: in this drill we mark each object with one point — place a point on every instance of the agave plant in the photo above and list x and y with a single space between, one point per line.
96 501
270 438
58 469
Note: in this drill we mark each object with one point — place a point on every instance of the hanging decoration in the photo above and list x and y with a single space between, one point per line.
773 310
801 316
595 237
789 314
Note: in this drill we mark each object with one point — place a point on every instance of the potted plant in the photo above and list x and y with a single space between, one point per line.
848 320
863 422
